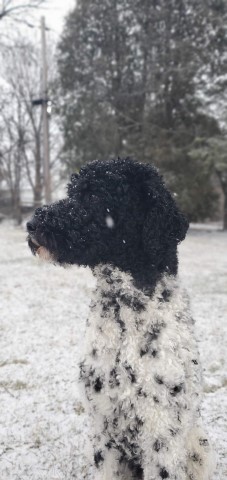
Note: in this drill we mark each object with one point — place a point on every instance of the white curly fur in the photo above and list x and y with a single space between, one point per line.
142 380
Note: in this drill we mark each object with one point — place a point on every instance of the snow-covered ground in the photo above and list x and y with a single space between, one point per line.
42 317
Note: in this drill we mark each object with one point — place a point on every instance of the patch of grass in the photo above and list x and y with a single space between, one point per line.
14 362
37 443
78 408
18 385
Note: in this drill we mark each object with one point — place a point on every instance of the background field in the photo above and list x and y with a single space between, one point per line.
43 425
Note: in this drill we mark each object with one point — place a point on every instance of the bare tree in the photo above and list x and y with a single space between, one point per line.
11 155
16 9
22 73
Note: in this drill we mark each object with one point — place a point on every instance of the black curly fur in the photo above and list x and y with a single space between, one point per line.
118 212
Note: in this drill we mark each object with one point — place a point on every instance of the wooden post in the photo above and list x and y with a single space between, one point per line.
46 147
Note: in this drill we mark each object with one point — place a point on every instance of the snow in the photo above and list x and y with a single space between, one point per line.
109 221
43 426
203 269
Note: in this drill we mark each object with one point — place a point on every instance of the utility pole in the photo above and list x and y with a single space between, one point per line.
46 147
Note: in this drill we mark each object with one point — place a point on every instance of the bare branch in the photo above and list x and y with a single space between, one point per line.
9 7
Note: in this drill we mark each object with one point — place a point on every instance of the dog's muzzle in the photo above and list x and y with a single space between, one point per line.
34 245
32 242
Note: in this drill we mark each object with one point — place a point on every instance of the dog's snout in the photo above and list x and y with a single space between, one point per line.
31 227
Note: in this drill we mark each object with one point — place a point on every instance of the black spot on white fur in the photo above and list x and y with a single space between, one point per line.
114 380
203 442
141 393
94 352
149 337
159 380
176 389
196 458
136 469
156 400
98 458
158 445
164 473
98 384
166 294
130 372
195 362
131 302
110 301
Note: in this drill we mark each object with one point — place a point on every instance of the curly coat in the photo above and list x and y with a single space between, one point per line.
140 368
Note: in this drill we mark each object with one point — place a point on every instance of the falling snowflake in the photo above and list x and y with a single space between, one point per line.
109 221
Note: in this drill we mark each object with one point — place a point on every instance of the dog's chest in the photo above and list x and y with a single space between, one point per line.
136 345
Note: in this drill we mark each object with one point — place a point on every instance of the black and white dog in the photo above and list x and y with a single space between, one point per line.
140 368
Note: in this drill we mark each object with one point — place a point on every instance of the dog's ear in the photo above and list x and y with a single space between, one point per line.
78 185
165 225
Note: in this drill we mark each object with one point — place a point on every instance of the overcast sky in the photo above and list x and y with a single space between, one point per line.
54 11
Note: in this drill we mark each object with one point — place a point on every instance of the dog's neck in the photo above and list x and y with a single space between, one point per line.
143 273
146 271
113 279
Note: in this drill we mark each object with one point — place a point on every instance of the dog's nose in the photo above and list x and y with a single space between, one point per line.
30 227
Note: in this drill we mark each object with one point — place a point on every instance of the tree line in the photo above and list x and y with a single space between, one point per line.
137 79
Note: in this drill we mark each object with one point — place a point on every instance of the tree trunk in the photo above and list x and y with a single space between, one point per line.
38 180
225 210
16 206
223 182
18 214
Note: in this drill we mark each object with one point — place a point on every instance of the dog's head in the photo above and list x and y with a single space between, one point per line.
116 212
